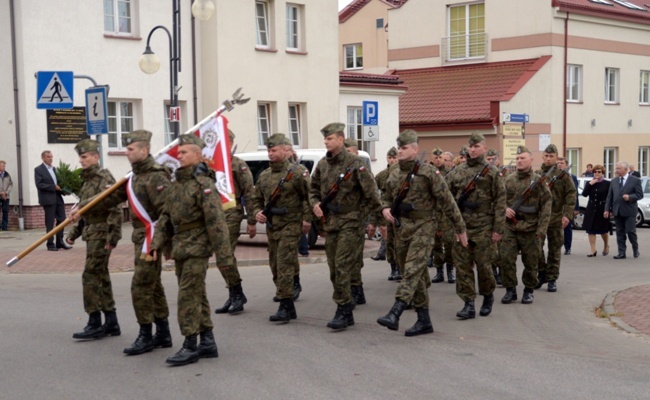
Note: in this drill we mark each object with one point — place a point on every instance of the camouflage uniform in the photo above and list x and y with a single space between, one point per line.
483 213
443 244
388 243
564 201
524 236
97 229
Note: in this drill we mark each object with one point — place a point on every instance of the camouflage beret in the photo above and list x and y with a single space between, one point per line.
332 128
190 138
349 142
231 135
86 145
136 136
287 141
464 151
523 149
392 152
407 137
551 148
476 137
492 153
437 151
276 139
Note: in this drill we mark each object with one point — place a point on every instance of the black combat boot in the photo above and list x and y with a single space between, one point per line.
359 296
297 288
348 314
497 275
486 308
224 309
284 311
398 274
381 253
511 295
163 337
468 311
93 329
340 320
391 320
111 327
393 272
143 343
237 300
422 325
440 276
552 286
189 353
541 279
430 262
451 278
527 298
208 347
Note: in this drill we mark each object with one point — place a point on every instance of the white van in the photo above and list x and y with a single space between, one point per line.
259 161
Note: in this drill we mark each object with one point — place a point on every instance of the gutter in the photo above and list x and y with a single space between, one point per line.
566 66
19 162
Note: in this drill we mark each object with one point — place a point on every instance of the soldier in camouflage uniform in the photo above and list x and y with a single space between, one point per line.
483 212
101 231
564 201
414 233
148 188
492 156
288 219
243 184
444 237
343 214
463 153
194 222
532 221
387 248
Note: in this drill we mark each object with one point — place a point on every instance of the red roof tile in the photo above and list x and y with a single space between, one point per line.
388 81
462 94
613 10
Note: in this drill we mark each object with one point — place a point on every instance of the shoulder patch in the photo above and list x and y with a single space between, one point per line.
437 172
160 188
207 191
305 174
362 168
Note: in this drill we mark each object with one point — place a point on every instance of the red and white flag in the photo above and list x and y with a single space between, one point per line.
216 154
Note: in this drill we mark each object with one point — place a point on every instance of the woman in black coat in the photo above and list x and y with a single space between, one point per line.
595 223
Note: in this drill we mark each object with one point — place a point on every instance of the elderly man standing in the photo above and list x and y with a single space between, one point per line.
624 192
51 198
5 189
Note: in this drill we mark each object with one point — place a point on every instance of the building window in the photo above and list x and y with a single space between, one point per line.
118 17
167 130
263 24
644 160
355 130
611 85
294 27
644 89
353 56
379 23
573 159
574 83
295 123
263 123
467 37
120 121
609 161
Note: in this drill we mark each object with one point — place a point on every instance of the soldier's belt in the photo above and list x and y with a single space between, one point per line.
96 219
188 226
342 209
285 210
419 214
527 209
477 208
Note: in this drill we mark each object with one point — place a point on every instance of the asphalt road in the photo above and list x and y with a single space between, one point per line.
555 348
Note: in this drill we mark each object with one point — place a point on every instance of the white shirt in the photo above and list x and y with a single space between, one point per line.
50 169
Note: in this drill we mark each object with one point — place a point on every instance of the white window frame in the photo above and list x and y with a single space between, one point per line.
168 131
263 35
610 155
644 160
354 56
573 157
295 112
612 85
130 4
574 83
294 27
472 44
355 130
264 121
644 88
115 135
629 5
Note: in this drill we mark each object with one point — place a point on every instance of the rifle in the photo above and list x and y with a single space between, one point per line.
506 168
269 209
334 190
396 209
471 186
527 193
558 176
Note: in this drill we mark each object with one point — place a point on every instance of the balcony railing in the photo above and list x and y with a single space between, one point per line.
461 48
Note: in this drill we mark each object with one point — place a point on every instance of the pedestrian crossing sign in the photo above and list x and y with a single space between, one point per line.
54 89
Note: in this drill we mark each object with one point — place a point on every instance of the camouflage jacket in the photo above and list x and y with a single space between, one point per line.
243 182
294 195
428 189
539 203
97 224
380 179
357 196
486 205
150 182
564 194
193 218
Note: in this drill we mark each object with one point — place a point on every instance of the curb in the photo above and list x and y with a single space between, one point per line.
610 310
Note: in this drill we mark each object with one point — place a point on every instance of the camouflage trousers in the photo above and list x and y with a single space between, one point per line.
511 244
479 253
283 257
496 253
147 291
231 273
412 254
96 281
550 264
391 252
445 243
341 247
355 274
193 306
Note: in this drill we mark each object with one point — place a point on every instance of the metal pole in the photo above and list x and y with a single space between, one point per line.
176 58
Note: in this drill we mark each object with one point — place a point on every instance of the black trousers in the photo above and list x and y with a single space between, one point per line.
54 212
626 229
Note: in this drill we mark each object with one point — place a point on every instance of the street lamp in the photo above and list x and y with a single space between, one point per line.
149 61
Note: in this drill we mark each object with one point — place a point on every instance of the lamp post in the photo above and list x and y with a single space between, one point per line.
149 61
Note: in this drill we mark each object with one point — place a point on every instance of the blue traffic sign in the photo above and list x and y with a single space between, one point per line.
518 118
96 115
370 113
54 89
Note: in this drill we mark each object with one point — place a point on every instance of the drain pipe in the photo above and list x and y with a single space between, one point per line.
19 161
566 69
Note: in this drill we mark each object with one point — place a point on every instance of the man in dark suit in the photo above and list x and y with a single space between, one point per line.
624 191
51 198
633 172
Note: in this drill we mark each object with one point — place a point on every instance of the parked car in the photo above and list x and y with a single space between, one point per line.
582 203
